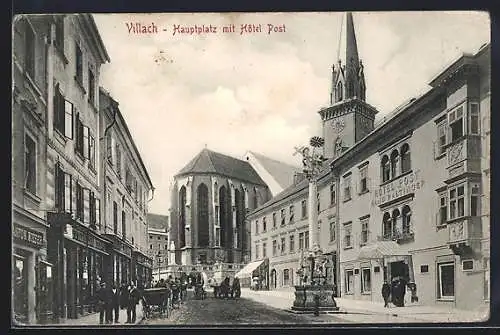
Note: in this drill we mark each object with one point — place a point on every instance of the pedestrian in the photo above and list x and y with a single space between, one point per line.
402 283
133 300
386 292
114 305
123 295
102 303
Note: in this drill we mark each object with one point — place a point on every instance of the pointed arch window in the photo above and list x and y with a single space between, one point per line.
223 215
386 168
182 217
405 158
339 91
394 163
202 204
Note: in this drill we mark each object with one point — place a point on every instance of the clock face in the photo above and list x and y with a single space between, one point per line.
338 125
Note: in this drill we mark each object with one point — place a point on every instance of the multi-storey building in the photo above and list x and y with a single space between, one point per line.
423 212
126 188
158 243
31 273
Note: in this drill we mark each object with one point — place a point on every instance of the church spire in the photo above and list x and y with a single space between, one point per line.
348 77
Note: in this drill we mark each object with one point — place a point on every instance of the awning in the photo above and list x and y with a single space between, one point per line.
380 250
249 269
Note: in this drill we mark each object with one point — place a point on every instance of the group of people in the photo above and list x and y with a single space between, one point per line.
111 299
177 288
396 290
226 288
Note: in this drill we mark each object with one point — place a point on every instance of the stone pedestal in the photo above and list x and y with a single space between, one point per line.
305 298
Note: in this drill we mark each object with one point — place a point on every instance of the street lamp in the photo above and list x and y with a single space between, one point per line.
158 255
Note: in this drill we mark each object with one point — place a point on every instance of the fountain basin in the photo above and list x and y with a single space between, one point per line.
305 298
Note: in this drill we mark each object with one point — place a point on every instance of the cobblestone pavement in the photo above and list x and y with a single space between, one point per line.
241 311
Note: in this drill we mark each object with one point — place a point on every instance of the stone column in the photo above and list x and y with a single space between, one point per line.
313 215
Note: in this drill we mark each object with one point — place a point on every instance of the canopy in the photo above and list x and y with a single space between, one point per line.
249 269
381 250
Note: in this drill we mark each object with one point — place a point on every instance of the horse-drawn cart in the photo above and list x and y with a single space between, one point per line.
156 301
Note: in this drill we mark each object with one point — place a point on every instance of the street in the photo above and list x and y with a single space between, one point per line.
241 311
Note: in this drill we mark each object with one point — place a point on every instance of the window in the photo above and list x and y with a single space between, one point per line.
405 158
256 226
63 114
79 136
59 41
217 214
407 229
264 250
79 64
110 148
30 56
91 87
275 247
318 202
257 250
333 228
292 243
457 198
79 201
366 283
347 188
456 123
443 209
118 161
30 178
364 231
395 218
474 118
283 245
467 265
442 137
303 205
217 237
347 235
339 91
333 195
301 241
291 213
264 224
150 246
306 240
98 212
394 164
63 190
386 169
92 157
474 200
274 220
446 280
286 277
363 179
424 268
349 281
283 217
115 217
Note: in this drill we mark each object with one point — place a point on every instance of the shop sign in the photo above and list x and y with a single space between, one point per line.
398 188
28 236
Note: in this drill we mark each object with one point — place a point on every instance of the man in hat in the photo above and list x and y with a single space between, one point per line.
103 303
133 299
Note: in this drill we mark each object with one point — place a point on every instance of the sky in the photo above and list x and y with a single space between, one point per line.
261 91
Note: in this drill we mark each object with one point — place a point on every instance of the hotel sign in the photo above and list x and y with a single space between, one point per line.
28 236
400 187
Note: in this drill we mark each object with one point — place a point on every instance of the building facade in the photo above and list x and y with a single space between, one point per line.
31 273
210 198
126 189
158 242
423 210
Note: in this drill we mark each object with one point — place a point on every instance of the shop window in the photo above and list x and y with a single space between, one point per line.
405 158
349 281
457 200
30 164
347 235
292 243
446 280
366 283
386 169
456 123
291 209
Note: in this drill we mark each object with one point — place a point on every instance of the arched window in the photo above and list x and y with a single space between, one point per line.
340 93
406 220
202 209
182 217
395 218
238 204
394 164
386 169
387 225
405 158
223 216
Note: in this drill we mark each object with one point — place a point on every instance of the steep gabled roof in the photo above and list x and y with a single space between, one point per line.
211 162
157 221
283 173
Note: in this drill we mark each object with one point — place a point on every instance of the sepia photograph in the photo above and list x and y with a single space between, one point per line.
241 169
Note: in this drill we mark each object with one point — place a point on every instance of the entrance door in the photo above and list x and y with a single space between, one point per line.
273 278
20 288
399 269
44 289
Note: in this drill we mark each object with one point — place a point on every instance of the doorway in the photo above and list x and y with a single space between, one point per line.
273 278
399 269
20 289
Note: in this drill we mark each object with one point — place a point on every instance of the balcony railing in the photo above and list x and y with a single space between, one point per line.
399 237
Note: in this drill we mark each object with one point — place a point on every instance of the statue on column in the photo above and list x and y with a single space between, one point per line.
311 161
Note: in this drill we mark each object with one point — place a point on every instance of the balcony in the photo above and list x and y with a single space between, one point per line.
464 156
399 237
463 234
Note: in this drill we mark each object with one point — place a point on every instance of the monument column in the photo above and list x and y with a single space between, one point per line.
312 214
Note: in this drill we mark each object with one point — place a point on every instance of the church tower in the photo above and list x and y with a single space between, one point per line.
349 118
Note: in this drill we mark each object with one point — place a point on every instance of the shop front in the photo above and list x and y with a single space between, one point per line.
119 269
141 268
31 273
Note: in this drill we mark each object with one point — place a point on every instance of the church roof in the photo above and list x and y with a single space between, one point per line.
157 221
211 162
282 172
